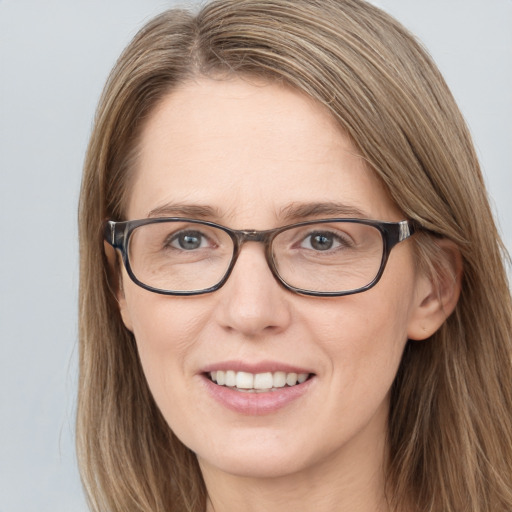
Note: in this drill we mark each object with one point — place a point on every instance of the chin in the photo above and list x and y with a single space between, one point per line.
260 465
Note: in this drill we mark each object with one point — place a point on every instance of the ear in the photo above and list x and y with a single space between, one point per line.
438 293
115 275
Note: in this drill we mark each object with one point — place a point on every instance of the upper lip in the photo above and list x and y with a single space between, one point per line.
254 367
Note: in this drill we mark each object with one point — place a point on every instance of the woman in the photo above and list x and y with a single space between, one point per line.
292 290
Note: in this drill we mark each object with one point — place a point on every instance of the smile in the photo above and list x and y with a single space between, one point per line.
256 382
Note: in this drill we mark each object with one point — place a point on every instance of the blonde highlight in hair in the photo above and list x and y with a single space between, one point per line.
450 426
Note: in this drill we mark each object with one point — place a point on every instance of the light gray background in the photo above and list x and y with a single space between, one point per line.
54 58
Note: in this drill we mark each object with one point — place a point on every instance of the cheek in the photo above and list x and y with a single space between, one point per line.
364 337
166 330
365 324
364 352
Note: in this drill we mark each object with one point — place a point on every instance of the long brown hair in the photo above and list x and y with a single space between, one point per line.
450 425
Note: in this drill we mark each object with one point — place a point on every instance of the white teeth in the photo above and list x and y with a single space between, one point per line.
291 379
302 377
259 381
244 380
221 378
263 381
279 380
230 378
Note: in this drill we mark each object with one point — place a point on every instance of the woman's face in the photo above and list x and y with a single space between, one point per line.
256 156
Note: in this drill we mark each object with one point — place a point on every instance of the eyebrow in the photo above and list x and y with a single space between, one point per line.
289 213
300 211
193 211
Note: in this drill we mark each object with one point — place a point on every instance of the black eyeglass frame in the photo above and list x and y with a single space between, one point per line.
117 234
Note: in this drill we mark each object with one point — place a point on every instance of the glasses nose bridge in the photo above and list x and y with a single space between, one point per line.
253 235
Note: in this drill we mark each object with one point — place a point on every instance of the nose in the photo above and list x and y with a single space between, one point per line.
252 303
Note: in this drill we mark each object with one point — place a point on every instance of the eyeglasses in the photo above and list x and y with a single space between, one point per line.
328 257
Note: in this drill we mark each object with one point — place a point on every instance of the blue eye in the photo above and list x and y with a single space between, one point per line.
188 240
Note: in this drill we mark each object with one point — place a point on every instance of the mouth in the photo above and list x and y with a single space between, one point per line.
257 382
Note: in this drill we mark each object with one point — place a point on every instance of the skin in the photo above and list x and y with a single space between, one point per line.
250 150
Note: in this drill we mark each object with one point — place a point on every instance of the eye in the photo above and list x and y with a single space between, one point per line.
323 241
188 241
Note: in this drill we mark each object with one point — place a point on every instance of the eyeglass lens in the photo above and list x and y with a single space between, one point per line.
324 257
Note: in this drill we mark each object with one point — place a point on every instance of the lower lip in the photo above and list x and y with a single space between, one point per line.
256 404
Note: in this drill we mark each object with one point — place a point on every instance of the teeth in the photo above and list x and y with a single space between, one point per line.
263 381
279 380
230 379
302 377
291 379
244 380
260 381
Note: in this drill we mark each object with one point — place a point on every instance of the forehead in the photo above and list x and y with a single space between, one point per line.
248 150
